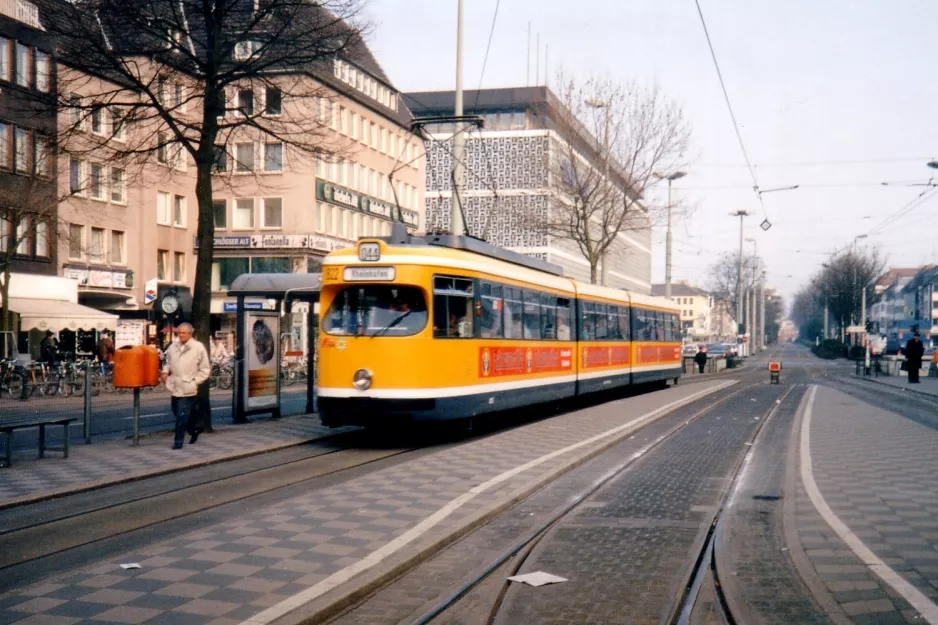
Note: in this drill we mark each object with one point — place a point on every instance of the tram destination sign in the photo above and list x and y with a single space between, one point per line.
368 274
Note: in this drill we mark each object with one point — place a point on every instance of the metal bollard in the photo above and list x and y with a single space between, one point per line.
136 416
87 405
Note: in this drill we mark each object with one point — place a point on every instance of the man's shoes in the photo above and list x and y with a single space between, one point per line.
195 436
177 445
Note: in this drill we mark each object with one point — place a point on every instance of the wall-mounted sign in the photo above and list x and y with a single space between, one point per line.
230 307
328 192
150 291
99 278
316 242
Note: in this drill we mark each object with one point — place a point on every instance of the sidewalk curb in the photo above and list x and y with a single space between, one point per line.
902 389
809 576
193 464
337 600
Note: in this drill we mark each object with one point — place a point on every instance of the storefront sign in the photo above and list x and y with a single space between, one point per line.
328 192
227 242
103 279
261 333
76 274
230 307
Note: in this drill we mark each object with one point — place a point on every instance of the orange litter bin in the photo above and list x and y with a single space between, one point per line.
135 367
775 370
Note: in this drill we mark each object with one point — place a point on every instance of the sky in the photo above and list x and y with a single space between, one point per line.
837 97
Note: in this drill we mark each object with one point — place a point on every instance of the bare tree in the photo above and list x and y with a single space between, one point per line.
616 141
722 281
182 80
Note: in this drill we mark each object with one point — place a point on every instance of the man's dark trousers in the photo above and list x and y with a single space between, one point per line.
182 408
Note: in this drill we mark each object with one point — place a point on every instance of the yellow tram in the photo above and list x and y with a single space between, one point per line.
446 327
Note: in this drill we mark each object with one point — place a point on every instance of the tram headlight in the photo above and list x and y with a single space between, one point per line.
362 379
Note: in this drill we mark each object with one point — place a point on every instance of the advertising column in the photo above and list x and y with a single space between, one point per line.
262 358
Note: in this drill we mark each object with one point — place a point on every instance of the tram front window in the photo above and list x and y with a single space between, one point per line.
377 310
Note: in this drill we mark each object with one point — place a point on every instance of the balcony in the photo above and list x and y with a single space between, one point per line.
21 11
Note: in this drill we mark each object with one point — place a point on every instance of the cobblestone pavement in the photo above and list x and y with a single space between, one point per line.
755 568
626 553
312 544
875 469
116 461
421 589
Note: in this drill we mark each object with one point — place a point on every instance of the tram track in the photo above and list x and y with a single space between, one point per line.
515 556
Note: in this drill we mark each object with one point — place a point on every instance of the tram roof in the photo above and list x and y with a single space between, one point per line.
277 285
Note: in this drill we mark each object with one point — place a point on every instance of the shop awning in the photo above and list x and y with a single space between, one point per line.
56 315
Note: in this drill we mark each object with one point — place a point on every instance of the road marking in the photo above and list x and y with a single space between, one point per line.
925 607
375 557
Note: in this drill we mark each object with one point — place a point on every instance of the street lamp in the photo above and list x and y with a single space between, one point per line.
667 241
932 164
601 104
742 214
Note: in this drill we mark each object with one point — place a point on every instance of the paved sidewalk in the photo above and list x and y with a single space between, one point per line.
875 472
304 554
114 461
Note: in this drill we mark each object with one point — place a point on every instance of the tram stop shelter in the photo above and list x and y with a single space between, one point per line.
257 338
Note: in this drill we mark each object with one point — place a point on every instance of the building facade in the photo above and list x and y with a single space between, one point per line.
281 211
508 186
696 309
889 308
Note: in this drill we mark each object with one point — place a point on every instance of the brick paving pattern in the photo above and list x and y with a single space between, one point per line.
876 471
626 552
114 461
232 571
752 559
415 593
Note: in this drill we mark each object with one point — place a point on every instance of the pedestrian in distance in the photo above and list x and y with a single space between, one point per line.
106 348
701 359
187 366
49 348
914 350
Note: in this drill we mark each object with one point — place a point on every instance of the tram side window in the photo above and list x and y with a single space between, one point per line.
601 322
452 307
587 321
672 333
624 323
548 317
612 324
492 308
563 319
676 324
514 313
532 315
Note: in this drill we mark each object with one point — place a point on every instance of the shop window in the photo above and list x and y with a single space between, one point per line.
452 307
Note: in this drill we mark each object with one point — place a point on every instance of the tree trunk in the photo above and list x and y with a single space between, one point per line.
593 272
6 319
202 292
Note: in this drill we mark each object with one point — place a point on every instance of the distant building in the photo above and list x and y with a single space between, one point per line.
921 300
888 308
507 185
696 307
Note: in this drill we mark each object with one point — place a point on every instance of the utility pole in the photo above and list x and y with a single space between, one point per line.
751 327
604 270
762 336
742 214
457 224
667 242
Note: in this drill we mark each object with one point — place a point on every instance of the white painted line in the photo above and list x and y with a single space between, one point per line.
375 557
922 604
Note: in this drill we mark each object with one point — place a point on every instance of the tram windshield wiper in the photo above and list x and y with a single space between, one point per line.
388 327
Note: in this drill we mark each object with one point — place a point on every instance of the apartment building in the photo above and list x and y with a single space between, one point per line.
696 309
508 186
279 210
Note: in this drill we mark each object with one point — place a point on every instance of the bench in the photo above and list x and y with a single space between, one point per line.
8 427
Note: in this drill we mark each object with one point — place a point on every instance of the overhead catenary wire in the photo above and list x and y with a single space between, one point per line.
488 48
729 106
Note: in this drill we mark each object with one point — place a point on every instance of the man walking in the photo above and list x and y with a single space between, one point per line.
914 350
187 366
701 359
